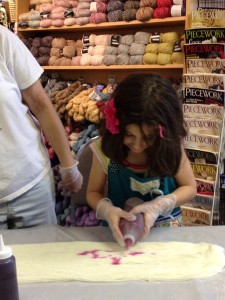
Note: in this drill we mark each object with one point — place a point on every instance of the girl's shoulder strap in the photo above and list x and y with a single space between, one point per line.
97 150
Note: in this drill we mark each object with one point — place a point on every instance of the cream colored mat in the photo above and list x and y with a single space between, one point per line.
95 261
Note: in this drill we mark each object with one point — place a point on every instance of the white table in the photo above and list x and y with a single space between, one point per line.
207 289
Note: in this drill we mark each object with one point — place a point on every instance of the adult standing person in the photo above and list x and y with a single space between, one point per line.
27 189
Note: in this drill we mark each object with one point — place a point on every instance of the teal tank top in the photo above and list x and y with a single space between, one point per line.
124 183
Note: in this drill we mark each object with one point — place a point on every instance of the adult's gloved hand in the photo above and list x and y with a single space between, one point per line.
161 206
71 180
112 214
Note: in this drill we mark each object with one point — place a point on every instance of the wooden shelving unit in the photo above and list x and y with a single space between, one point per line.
102 72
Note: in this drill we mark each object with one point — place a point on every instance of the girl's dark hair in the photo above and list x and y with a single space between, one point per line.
148 99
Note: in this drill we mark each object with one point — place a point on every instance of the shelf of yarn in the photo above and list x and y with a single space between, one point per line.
166 22
105 71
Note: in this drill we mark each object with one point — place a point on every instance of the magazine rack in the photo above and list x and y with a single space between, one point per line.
205 208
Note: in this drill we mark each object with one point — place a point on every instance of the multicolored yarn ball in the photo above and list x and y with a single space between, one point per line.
115 5
115 16
131 4
129 15
98 17
148 3
144 14
98 7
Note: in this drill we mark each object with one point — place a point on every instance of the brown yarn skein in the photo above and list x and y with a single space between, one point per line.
144 14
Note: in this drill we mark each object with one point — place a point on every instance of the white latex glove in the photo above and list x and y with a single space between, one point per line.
161 206
72 180
112 214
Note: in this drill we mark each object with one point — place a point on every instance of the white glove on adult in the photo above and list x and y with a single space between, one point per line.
72 179
161 206
112 214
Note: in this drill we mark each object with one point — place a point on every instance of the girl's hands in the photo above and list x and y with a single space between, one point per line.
162 205
112 214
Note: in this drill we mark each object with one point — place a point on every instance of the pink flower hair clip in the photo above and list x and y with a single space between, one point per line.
111 120
161 131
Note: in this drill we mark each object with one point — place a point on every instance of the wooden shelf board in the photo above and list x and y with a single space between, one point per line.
114 67
112 25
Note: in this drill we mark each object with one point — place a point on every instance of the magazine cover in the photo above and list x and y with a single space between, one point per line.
206 172
195 217
205 187
201 18
204 81
204 65
202 142
203 111
203 126
205 35
201 156
203 96
212 51
202 202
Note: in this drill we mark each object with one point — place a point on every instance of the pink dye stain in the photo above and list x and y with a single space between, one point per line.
116 260
94 253
134 253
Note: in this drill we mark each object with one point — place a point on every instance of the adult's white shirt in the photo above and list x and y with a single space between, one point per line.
23 156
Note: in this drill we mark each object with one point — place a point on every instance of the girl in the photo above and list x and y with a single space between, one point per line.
141 154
